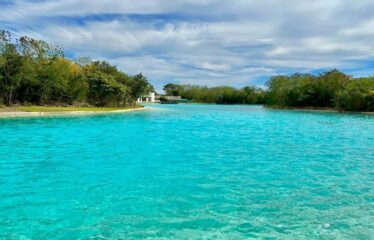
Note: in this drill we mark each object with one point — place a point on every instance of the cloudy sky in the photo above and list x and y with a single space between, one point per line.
208 42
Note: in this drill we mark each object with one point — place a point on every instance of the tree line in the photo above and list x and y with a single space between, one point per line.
332 89
36 72
218 95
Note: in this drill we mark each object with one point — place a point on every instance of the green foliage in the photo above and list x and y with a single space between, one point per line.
139 86
104 90
332 89
358 95
219 95
163 99
35 72
10 72
172 89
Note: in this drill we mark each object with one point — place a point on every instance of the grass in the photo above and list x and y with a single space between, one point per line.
70 109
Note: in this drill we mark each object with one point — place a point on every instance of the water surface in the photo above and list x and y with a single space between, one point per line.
188 172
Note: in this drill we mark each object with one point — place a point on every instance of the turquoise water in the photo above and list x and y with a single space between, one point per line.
188 172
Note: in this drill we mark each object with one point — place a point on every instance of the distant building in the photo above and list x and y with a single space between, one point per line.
173 98
151 97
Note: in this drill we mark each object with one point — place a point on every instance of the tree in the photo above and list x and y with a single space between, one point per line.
278 87
105 67
139 86
172 89
104 90
11 64
253 95
358 95
34 71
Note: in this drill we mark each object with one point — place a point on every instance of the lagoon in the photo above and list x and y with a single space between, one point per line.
188 172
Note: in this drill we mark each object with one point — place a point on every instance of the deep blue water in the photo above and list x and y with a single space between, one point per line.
188 172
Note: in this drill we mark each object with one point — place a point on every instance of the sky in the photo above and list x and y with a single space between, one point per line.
205 42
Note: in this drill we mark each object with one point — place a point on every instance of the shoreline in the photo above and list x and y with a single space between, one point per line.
14 114
321 110
306 109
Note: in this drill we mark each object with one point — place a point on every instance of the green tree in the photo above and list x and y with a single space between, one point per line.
172 89
139 86
34 71
278 87
102 89
358 95
11 64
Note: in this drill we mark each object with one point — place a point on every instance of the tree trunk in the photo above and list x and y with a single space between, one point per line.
10 97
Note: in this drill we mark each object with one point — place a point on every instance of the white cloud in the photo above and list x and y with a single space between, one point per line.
208 42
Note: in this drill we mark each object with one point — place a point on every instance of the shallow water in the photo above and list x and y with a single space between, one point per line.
188 172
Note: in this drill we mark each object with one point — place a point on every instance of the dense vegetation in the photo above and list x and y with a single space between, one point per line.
219 95
35 72
332 89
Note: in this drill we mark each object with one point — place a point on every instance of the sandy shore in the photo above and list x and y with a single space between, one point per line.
63 113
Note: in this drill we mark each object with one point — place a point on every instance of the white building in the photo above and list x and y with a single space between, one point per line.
151 97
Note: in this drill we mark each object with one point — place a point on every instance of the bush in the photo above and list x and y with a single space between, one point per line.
357 96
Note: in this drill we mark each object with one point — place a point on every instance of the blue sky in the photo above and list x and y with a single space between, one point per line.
206 42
